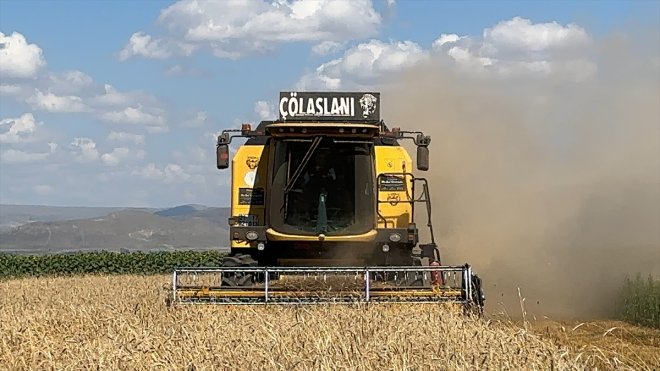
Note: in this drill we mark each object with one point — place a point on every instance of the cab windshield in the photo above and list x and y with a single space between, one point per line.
324 186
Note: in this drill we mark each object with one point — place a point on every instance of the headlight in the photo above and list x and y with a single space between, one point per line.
252 235
261 246
395 237
386 248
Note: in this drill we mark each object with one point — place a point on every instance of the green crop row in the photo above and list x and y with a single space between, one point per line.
14 266
640 301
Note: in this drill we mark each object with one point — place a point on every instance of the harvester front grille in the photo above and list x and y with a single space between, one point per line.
322 285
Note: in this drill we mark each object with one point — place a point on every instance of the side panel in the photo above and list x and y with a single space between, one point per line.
249 175
393 190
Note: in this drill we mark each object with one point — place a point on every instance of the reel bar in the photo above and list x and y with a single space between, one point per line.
305 285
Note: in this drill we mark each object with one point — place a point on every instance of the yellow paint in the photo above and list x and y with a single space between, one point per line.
277 236
250 164
396 211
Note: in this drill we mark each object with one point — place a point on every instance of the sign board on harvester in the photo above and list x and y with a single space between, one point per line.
336 106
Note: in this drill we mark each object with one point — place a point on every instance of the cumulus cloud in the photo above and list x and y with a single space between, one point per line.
520 34
9 89
56 103
19 129
170 173
71 91
84 149
197 120
510 48
364 64
18 59
446 39
327 47
265 110
120 136
520 47
234 29
14 156
121 154
134 115
175 172
150 171
68 82
141 44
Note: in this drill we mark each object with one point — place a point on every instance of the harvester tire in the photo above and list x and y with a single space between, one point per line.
238 279
476 302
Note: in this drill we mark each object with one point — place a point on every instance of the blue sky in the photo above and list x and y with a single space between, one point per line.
116 103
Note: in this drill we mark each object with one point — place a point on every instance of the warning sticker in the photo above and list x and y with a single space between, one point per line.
251 196
391 183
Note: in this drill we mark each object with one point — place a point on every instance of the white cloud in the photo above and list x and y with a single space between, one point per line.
121 154
327 47
134 115
9 89
265 110
150 171
364 64
198 120
171 173
519 47
446 39
510 48
18 58
13 156
520 34
84 150
120 136
68 82
233 29
42 189
19 129
56 103
465 57
110 97
174 172
141 44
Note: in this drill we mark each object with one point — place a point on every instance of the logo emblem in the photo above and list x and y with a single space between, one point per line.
368 104
252 162
393 198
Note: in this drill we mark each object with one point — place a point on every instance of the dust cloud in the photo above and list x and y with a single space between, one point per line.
547 184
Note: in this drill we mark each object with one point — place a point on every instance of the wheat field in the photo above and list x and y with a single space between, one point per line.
122 322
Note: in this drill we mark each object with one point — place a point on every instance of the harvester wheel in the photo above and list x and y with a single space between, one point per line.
476 302
238 279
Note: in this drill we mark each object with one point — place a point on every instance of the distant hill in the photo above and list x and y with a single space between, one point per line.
183 210
181 227
15 215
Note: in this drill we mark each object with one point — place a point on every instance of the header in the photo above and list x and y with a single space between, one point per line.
337 106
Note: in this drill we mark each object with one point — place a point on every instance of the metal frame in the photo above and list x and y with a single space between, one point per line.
370 290
425 197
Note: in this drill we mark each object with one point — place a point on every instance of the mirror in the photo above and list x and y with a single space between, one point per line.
222 156
422 158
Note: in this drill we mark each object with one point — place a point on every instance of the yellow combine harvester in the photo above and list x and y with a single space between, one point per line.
323 210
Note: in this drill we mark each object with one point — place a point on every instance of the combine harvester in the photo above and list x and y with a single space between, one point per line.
323 210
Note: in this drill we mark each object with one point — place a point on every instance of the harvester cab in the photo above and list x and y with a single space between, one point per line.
323 209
